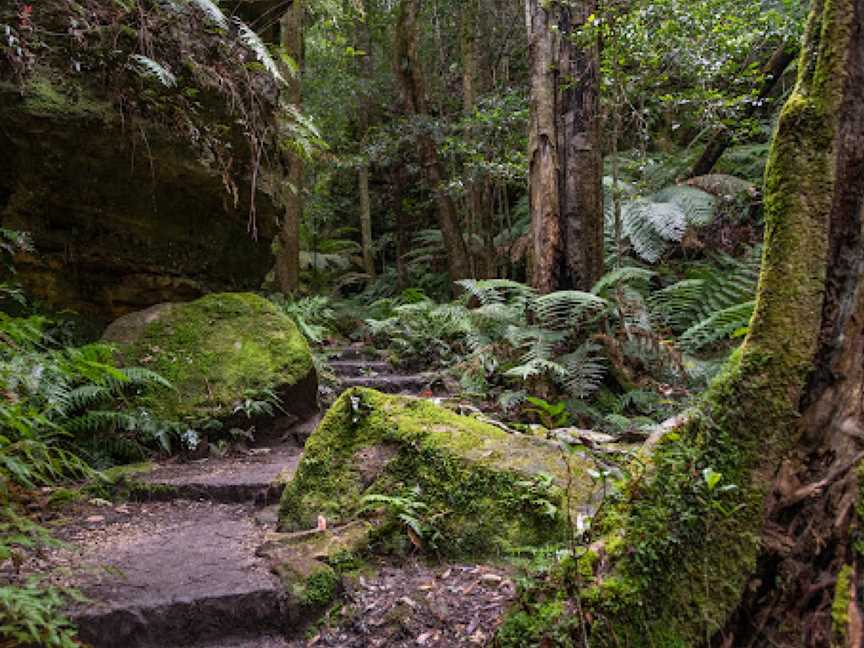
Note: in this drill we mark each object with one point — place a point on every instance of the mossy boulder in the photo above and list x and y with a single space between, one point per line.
473 488
220 352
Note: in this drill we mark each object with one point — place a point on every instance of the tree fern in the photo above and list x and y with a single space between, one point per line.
585 370
497 291
653 223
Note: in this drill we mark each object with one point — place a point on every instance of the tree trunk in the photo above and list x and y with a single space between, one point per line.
543 171
722 139
579 150
479 185
399 181
364 42
366 221
565 163
288 254
410 77
741 530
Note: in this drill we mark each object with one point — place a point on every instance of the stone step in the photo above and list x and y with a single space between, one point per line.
392 383
358 353
254 477
176 574
360 367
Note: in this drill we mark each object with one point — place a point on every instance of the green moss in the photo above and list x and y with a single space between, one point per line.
216 350
481 489
47 97
840 607
541 627
319 589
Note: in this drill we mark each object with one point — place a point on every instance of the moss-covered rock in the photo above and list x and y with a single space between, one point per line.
218 352
135 191
472 488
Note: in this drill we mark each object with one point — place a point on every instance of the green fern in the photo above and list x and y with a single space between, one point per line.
652 224
719 326
147 67
720 284
251 40
212 11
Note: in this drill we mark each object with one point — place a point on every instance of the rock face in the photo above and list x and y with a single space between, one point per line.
220 352
473 488
122 213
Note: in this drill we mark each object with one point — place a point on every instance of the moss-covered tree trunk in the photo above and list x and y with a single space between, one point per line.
410 76
744 528
288 255
564 151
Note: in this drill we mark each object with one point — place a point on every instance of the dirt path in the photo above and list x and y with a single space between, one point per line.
177 565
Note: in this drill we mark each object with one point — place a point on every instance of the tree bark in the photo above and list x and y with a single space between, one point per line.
771 557
579 148
364 41
410 77
479 185
288 254
722 139
564 153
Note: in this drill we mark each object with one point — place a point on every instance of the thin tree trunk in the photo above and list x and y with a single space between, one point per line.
543 170
564 152
366 221
579 148
288 255
479 185
723 138
398 181
410 76
767 555
364 40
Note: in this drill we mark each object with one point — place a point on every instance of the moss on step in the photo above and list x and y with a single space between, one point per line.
216 351
310 564
474 487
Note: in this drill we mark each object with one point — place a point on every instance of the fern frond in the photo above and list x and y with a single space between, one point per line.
717 327
497 291
634 276
212 11
566 309
147 67
251 40
586 370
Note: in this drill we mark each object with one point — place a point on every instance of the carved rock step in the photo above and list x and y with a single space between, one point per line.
392 383
360 367
176 573
359 353
255 477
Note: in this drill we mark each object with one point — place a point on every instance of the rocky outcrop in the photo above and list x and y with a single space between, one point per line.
122 215
224 355
137 142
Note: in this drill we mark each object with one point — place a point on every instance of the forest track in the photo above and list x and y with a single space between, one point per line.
175 565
